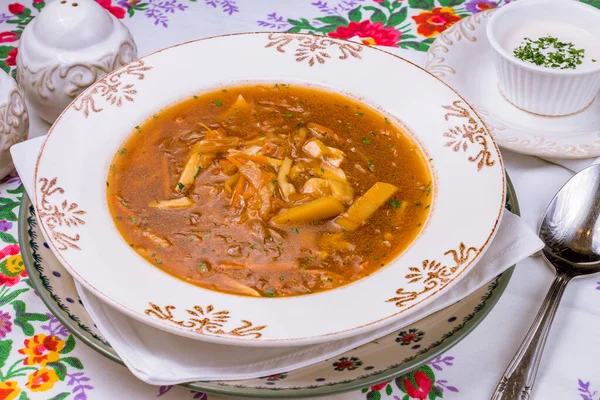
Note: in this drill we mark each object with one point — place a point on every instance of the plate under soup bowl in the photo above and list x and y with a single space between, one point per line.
71 188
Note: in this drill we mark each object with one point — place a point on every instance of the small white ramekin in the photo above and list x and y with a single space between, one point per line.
540 90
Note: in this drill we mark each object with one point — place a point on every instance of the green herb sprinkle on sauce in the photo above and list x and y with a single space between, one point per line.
549 52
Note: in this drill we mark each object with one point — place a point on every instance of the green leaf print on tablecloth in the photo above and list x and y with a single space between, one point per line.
39 354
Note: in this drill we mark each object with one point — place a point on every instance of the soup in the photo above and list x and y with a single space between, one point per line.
269 190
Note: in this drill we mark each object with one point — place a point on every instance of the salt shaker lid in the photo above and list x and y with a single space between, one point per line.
72 30
73 24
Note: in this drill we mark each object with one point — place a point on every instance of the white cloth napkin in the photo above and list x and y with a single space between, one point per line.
161 358
575 165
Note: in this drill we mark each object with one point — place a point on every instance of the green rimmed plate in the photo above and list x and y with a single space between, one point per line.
384 359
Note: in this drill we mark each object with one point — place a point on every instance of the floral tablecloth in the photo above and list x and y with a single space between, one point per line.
40 359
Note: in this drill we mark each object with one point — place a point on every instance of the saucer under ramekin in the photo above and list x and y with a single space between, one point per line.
463 58
537 89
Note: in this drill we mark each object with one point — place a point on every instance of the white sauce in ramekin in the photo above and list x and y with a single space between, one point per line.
564 32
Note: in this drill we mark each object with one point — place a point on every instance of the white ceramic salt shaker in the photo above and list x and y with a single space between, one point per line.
68 47
14 120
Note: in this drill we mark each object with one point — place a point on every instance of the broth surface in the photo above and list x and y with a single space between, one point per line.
269 190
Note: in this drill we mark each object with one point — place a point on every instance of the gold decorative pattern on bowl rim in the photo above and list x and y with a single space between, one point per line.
470 133
206 320
112 89
314 48
57 214
433 274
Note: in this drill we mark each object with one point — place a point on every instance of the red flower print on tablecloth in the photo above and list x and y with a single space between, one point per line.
421 386
422 383
12 268
9 390
11 60
16 8
41 380
371 33
6 37
373 392
117 11
42 349
430 23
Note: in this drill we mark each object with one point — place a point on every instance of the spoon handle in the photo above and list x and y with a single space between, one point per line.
518 379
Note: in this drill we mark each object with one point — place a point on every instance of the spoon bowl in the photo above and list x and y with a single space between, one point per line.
571 225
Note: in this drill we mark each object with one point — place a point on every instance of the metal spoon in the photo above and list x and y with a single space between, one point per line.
571 232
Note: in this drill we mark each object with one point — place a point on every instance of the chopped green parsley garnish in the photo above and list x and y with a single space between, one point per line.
358 114
365 140
124 203
276 85
134 220
270 293
288 115
295 230
123 151
274 181
195 97
549 52
261 134
155 116
218 103
224 90
180 186
418 204
137 127
301 124
387 121
395 203
370 165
